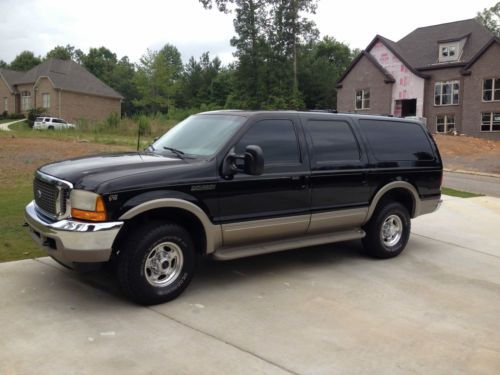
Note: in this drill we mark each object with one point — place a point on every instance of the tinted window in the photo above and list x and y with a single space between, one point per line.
397 140
333 141
276 138
200 134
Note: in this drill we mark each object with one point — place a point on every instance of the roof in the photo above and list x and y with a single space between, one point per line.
65 75
420 47
388 76
396 50
480 52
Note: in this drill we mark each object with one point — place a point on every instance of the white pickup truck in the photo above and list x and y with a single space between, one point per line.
51 123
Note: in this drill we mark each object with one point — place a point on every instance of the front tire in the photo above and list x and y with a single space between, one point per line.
388 230
156 263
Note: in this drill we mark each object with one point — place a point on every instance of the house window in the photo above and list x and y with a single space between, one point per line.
449 52
491 89
46 100
363 99
490 121
25 100
5 104
445 123
446 93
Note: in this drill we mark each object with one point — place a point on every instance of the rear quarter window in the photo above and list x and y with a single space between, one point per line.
397 140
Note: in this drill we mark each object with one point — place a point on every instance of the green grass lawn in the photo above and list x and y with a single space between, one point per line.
16 242
459 193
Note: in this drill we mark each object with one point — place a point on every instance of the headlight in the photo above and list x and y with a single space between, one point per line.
87 206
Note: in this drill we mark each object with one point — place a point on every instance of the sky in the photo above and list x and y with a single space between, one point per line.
129 27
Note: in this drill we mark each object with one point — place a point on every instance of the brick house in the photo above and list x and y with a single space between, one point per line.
62 87
448 74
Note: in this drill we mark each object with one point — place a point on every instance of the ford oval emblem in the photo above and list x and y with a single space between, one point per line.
39 193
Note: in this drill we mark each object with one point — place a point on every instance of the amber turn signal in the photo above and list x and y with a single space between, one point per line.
99 214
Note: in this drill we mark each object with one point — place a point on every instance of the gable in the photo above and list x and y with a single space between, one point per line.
363 64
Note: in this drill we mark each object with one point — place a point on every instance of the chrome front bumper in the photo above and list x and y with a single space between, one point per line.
70 241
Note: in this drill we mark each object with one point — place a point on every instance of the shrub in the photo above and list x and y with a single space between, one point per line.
113 120
4 114
15 116
144 126
33 113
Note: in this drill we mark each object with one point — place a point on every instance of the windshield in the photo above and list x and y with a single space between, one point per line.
200 135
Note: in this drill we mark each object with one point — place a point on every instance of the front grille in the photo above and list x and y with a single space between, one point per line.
46 196
50 196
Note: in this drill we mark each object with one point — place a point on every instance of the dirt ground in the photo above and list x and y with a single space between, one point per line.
469 153
20 157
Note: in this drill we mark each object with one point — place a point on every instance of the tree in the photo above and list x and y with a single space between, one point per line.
490 18
157 79
101 63
197 84
3 64
25 61
122 80
320 66
65 53
289 28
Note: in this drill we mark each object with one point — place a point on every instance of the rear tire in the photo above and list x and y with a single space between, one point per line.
388 230
156 263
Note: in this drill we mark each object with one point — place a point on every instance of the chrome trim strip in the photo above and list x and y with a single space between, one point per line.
51 179
58 182
213 232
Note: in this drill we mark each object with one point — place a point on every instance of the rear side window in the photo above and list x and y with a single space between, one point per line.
332 141
397 140
277 139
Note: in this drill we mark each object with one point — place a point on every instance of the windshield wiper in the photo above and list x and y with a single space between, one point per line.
179 153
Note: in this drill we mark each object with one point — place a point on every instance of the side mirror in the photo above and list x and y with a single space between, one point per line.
253 162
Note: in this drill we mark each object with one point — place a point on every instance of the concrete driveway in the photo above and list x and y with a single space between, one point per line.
5 126
329 310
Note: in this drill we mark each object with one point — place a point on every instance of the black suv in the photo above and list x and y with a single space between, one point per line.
231 184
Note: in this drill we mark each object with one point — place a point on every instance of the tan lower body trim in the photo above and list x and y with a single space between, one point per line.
324 222
263 230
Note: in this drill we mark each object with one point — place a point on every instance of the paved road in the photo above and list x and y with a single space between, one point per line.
5 126
473 183
325 310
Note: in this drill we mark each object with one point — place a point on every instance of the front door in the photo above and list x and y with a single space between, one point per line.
276 204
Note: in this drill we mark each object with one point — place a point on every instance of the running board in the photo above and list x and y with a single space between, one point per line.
235 252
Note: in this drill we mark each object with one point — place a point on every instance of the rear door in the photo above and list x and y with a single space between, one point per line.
339 188
276 204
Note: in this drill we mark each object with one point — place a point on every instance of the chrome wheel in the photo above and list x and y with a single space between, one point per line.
392 230
163 264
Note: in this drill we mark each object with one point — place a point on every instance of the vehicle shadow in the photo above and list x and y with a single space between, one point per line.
213 274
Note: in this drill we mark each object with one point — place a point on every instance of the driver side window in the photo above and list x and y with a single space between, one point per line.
278 141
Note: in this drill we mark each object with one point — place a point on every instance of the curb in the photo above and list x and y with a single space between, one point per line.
462 171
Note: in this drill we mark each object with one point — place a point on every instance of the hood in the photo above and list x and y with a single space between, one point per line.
91 171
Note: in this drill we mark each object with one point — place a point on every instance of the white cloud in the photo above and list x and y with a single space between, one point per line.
130 27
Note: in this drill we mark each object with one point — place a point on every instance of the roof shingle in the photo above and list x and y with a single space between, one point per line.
65 75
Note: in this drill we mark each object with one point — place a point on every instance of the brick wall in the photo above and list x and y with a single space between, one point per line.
11 99
430 109
488 66
44 86
364 75
76 106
